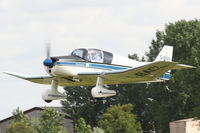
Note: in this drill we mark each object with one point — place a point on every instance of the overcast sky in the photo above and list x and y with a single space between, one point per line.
120 26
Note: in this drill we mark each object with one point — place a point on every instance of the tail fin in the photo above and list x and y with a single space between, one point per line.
165 54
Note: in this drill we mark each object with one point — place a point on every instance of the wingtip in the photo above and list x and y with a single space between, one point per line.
14 74
183 66
5 72
192 67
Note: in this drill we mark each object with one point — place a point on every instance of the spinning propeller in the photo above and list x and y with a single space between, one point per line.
48 61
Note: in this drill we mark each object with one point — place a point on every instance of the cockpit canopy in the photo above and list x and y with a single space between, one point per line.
93 55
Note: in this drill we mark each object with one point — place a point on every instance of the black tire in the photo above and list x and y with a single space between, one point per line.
48 101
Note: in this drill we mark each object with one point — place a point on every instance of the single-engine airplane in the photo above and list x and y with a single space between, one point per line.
94 67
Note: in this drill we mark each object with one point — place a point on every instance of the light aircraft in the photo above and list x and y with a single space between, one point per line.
96 67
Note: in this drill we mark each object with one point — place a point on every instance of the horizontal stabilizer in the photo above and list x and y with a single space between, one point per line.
182 66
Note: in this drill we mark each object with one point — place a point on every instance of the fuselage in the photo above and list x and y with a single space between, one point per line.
89 60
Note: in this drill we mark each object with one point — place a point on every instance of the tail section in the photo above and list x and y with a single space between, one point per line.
165 54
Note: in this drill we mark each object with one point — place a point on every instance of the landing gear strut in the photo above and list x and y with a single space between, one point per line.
53 93
166 86
99 91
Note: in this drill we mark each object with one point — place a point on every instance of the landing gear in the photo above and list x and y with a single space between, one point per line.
99 91
53 93
48 101
166 86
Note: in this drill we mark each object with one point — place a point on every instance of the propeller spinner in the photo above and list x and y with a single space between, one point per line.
48 62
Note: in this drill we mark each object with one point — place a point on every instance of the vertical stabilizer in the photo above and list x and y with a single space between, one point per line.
165 54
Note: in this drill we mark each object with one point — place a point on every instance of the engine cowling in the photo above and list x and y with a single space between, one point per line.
100 91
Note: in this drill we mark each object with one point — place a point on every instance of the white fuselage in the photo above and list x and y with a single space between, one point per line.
72 68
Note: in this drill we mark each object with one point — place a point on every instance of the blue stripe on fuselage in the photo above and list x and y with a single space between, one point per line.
107 66
72 63
92 65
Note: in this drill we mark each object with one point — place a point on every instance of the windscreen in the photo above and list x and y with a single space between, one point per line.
82 53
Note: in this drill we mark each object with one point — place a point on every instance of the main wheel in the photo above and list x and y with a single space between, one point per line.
48 101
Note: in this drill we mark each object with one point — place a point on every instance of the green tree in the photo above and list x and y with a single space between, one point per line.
119 119
82 127
133 56
20 127
181 101
97 130
79 103
20 123
136 57
18 115
51 121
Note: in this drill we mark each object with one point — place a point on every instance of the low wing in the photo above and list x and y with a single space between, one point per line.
62 81
146 73
35 79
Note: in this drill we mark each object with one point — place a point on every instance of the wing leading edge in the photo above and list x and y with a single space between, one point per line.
62 81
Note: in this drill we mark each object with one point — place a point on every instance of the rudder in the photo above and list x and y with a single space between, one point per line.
165 55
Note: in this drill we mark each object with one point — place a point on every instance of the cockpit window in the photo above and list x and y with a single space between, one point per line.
82 53
95 55
107 57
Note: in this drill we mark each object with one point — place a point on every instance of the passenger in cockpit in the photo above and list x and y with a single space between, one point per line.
96 55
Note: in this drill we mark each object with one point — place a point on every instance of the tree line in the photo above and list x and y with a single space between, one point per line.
154 106
50 121
116 119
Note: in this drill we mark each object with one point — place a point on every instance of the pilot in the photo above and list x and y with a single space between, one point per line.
84 55
95 56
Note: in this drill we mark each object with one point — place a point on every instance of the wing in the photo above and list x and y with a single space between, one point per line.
35 79
62 81
146 73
